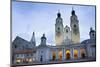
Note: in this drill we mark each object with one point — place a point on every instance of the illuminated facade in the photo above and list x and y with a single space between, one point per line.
68 47
68 35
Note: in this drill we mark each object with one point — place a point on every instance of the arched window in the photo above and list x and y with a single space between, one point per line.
15 46
66 30
58 28
74 25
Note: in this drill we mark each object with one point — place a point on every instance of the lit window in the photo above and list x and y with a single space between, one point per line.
30 60
33 59
18 60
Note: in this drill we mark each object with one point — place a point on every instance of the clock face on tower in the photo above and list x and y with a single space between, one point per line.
75 30
74 18
59 20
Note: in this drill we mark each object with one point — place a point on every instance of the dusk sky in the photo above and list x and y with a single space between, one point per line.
29 17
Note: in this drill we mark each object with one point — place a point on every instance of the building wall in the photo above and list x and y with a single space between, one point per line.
43 53
67 35
48 53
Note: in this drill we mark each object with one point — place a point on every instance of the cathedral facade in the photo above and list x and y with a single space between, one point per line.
68 35
68 47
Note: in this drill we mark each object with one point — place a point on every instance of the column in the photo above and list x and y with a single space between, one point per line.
57 54
64 54
79 54
71 53
51 54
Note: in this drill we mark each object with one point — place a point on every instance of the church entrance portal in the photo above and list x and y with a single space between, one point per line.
75 54
67 54
83 53
60 55
53 56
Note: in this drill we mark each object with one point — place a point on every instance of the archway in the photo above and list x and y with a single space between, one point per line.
53 55
75 54
60 55
67 54
83 53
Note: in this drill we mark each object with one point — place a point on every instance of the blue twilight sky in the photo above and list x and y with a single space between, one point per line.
28 17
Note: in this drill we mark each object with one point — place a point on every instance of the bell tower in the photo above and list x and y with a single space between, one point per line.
59 29
43 40
74 24
92 33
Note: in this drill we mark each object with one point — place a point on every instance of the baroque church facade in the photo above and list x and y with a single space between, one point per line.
68 47
68 35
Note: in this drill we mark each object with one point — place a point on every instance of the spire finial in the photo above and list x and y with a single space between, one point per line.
73 12
33 33
58 15
44 35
